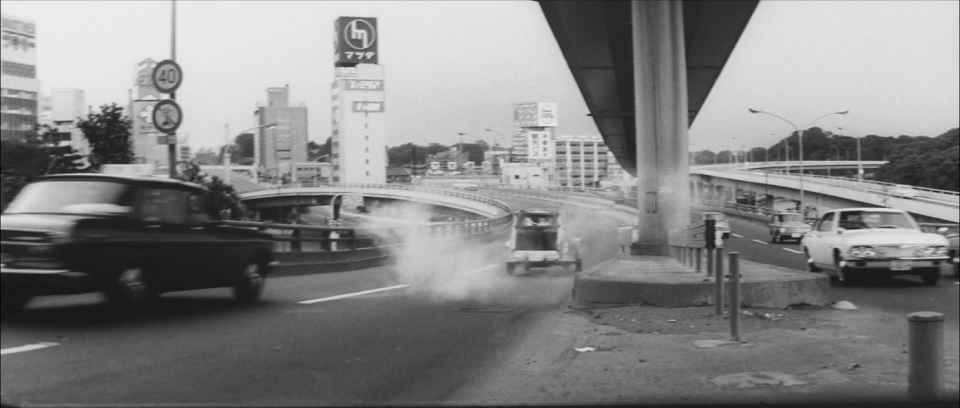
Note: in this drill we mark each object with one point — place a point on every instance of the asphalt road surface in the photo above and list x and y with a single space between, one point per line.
411 333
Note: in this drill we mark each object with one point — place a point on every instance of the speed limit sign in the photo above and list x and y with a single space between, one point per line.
167 76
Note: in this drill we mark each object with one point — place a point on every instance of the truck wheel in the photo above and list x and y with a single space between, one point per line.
250 283
129 289
930 277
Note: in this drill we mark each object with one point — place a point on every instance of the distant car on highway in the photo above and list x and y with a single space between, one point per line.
904 191
722 224
851 243
129 237
466 186
787 225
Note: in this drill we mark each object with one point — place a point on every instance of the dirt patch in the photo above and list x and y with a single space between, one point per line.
692 320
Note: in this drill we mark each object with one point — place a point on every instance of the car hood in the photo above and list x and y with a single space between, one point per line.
62 223
892 237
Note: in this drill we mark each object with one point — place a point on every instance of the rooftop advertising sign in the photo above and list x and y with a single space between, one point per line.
355 41
367 106
19 44
537 114
363 84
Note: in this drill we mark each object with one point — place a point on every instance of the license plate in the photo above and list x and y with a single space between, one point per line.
901 265
796 235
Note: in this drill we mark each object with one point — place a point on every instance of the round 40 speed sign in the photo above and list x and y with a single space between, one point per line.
167 116
167 76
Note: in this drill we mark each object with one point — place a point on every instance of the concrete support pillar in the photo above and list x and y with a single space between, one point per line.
660 103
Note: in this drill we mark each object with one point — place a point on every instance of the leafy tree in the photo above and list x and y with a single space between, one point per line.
223 196
37 155
108 132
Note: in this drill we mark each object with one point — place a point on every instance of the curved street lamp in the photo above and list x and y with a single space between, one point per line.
226 150
800 137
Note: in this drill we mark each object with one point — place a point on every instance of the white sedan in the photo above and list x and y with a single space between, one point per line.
853 242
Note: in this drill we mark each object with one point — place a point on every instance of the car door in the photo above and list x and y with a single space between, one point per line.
169 245
817 242
221 252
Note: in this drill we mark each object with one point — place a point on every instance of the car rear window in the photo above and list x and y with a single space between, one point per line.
73 197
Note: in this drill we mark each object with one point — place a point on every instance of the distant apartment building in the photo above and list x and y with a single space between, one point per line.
277 149
581 161
20 89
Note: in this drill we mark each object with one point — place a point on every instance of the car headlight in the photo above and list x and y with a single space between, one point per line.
933 250
864 251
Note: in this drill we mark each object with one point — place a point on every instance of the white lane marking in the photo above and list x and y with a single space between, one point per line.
348 295
28 347
792 250
737 235
760 242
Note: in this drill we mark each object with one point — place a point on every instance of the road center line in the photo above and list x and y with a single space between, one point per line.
28 347
760 242
737 235
349 295
792 250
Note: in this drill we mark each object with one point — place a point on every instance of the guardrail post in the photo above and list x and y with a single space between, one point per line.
926 356
699 256
718 279
734 296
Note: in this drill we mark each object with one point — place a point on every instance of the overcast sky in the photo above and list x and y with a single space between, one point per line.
458 66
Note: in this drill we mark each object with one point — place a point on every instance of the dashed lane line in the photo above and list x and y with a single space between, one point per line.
737 235
792 250
28 347
349 295
760 242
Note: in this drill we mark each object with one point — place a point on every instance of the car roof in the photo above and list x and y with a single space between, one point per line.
138 180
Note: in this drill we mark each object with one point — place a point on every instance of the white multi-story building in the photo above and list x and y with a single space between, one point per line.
60 111
359 147
581 161
20 88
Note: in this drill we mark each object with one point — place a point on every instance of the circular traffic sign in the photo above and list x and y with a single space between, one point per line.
167 116
167 76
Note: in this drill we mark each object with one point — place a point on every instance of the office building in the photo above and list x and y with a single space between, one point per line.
60 110
20 88
278 148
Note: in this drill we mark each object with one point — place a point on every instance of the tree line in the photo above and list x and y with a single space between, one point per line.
922 161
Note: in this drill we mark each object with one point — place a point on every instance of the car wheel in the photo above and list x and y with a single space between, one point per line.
930 276
810 265
579 265
13 302
844 274
250 283
130 288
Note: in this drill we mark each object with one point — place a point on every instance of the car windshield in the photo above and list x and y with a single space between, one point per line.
791 218
853 220
73 197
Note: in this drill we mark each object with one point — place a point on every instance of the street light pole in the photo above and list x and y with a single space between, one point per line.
800 137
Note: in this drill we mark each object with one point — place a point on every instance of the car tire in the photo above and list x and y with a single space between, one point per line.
12 302
250 283
130 289
844 274
930 277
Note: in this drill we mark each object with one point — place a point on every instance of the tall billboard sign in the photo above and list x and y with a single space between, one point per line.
19 47
540 145
536 114
355 41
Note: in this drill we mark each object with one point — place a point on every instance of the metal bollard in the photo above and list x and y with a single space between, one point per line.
334 236
926 356
718 279
734 296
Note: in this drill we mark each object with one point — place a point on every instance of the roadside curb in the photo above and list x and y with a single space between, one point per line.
665 282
